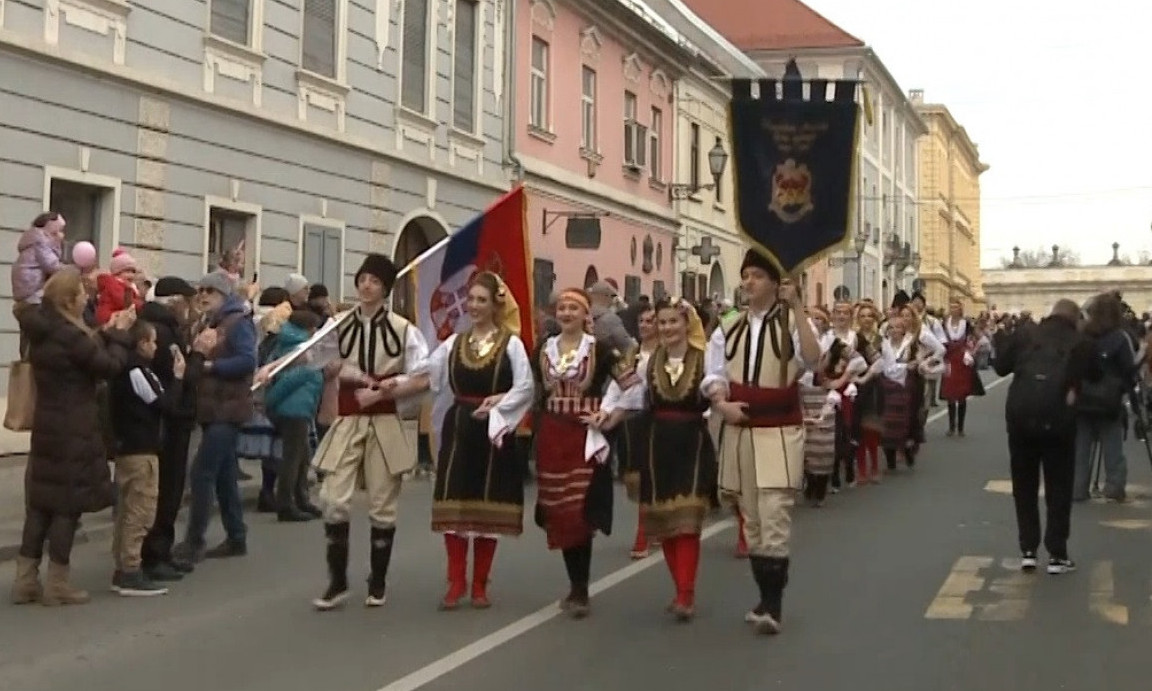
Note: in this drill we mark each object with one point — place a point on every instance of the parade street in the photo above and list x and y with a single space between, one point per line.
908 585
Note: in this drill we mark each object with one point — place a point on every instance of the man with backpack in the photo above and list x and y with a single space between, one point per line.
1048 361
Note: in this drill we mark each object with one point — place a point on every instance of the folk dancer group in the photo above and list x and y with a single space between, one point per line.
796 397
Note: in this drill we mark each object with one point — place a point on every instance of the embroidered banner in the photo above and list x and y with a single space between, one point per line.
794 162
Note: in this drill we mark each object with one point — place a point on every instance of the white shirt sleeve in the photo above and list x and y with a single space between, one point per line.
635 398
142 387
506 416
438 366
415 351
715 365
798 358
933 344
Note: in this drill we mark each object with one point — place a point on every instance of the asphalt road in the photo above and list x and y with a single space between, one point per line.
906 585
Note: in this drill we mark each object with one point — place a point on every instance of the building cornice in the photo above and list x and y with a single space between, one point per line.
620 19
956 132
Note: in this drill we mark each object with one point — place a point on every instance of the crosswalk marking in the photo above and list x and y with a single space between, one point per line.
982 588
1102 595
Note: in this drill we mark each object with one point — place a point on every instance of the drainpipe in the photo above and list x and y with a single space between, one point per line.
510 159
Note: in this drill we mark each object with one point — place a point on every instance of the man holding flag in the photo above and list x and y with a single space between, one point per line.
384 361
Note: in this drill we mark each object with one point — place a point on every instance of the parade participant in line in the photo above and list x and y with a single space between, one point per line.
847 431
673 451
574 498
752 363
479 490
906 351
930 383
819 426
626 448
961 379
385 359
868 406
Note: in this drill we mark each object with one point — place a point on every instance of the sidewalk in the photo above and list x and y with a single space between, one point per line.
93 526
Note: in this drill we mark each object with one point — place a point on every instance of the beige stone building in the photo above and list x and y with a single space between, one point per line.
950 169
1015 290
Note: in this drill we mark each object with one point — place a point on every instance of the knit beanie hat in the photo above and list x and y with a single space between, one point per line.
121 262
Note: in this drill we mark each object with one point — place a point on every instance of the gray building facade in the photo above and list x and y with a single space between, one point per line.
315 131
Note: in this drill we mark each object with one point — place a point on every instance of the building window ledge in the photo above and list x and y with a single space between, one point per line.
102 17
632 172
317 91
542 134
717 206
418 128
464 146
657 184
234 61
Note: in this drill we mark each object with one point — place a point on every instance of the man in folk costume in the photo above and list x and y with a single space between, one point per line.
385 360
753 362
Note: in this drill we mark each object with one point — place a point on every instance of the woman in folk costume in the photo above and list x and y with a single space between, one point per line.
819 421
628 447
847 431
868 408
479 492
574 495
961 379
673 454
752 363
907 351
384 361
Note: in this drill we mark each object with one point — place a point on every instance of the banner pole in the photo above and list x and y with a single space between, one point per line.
341 318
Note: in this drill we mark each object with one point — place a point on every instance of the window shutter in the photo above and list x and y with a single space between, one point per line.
414 60
229 20
312 260
332 253
464 67
318 52
641 149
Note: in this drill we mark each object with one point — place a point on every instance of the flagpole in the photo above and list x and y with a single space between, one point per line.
341 318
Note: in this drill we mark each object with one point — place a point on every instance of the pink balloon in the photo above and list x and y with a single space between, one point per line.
84 255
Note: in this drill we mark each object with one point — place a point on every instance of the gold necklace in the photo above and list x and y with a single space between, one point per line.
675 370
482 345
568 357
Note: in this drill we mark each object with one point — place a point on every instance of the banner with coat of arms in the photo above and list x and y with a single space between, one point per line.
794 162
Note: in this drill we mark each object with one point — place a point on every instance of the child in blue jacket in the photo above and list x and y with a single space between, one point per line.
291 402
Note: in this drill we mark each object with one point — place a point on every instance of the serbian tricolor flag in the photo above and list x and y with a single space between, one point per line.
496 241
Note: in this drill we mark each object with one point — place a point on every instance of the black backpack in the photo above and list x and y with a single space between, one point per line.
1037 400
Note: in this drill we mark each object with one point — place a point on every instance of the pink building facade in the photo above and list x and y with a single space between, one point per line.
593 135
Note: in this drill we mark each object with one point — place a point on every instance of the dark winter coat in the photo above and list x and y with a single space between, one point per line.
67 468
170 333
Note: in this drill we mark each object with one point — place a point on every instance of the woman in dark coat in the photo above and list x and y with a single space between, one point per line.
67 473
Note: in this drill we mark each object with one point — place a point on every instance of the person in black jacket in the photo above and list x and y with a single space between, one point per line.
167 310
139 403
1049 362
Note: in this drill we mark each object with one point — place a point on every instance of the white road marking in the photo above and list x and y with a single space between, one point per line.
463 656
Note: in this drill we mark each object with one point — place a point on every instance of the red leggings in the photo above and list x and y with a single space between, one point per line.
869 446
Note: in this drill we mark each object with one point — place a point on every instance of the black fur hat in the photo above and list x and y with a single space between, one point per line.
901 299
758 260
381 267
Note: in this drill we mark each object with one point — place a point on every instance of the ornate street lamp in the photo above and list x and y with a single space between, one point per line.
717 163
860 243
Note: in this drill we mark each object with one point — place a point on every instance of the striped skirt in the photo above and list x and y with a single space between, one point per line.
900 409
820 439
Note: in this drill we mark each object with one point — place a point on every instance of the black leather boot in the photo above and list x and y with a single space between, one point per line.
380 557
337 557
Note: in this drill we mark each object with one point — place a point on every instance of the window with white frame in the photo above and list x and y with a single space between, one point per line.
464 66
588 109
231 20
694 157
538 85
230 229
319 40
654 141
321 249
414 58
635 134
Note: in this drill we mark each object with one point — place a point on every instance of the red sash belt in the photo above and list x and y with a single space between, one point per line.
348 405
471 400
769 407
678 416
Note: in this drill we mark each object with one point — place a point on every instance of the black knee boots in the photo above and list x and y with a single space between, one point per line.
337 558
578 563
771 575
380 557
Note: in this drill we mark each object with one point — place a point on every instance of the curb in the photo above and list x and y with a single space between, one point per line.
97 526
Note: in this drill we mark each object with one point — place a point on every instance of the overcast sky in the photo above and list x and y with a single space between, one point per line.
1057 95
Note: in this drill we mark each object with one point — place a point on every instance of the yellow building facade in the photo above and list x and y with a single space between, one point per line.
949 193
